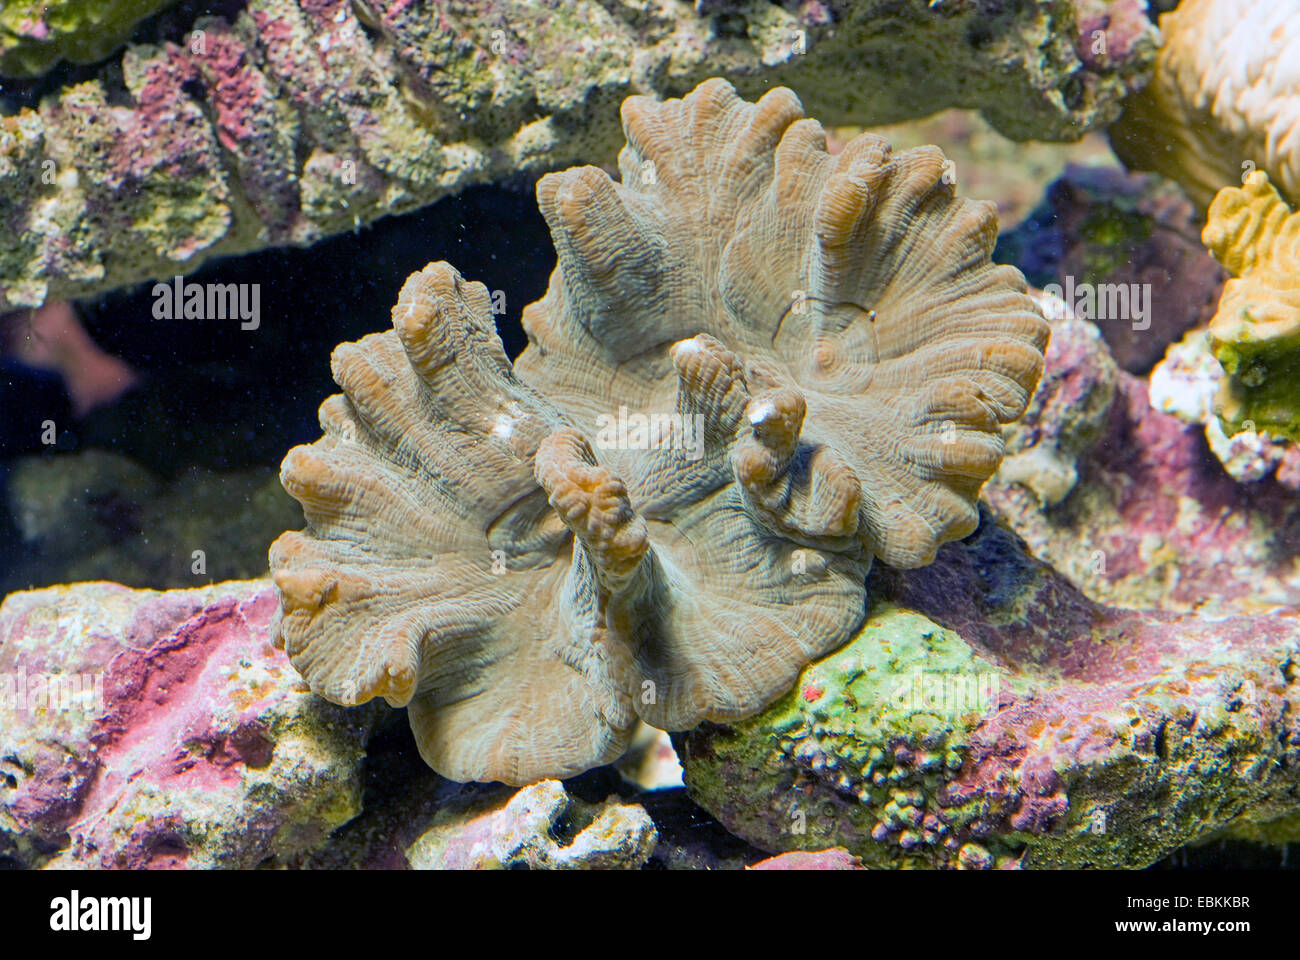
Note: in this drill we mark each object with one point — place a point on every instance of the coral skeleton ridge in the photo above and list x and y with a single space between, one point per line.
1256 332
476 552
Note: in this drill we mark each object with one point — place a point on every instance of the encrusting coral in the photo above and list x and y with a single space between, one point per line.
1256 332
1223 100
808 358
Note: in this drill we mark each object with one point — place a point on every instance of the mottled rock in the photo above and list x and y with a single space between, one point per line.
1154 519
990 715
192 744
611 835
302 119
1068 412
1187 382
1122 249
403 801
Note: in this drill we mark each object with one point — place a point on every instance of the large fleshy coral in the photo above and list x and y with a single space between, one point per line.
757 365
1256 332
1223 99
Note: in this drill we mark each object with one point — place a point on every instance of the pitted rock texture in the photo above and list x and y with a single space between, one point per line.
161 730
1187 383
757 366
297 120
608 836
1151 517
1068 412
988 715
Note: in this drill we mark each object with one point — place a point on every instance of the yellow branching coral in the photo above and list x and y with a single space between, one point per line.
1224 99
757 366
1256 332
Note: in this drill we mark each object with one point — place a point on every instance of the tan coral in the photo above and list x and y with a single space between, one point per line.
829 353
1256 332
1224 99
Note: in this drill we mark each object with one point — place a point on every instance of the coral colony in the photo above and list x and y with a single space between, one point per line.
798 504
1222 101
1256 333
666 579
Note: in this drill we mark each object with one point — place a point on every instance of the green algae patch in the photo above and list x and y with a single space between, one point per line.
1110 745
36 34
883 723
1262 391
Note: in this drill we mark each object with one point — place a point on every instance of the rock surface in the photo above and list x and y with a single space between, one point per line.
836 858
1115 738
610 835
193 743
36 34
1152 520
1187 383
1111 240
302 119
1068 412
990 715
153 730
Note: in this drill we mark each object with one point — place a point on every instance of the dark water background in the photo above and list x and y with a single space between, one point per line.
218 398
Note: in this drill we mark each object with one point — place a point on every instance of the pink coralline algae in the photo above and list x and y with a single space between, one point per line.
189 743
192 744
1108 30
1152 519
990 715
837 858
523 831
298 119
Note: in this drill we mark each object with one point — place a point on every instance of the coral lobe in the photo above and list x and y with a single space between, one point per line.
832 323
